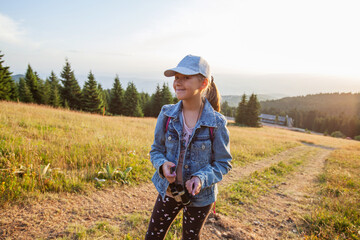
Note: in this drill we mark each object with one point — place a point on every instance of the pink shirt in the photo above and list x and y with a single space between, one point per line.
184 139
185 136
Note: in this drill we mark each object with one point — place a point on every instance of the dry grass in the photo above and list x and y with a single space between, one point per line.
78 145
337 214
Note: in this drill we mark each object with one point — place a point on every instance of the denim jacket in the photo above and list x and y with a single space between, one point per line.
206 159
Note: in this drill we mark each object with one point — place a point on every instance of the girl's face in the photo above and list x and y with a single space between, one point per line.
188 86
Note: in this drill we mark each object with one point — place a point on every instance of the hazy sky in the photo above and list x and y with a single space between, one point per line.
289 47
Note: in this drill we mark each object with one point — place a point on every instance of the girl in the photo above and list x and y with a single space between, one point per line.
191 151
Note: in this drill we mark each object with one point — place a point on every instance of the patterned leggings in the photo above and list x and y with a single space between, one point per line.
165 212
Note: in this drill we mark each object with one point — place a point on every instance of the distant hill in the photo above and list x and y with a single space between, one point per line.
337 114
234 100
17 77
331 104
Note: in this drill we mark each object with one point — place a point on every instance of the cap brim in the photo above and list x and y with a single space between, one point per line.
171 72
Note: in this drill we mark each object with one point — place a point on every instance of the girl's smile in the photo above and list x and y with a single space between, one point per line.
186 86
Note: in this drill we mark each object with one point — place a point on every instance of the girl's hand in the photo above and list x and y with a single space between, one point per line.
166 171
193 185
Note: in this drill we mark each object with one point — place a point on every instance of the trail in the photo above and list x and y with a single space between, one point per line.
49 218
277 215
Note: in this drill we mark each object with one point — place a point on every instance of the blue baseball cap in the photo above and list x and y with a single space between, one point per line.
190 65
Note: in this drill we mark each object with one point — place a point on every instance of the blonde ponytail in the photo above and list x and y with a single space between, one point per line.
213 95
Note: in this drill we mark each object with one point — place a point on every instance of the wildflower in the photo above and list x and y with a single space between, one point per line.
3 183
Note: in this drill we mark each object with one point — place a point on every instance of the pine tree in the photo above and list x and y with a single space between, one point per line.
253 108
32 83
46 92
148 107
241 111
116 105
167 97
107 93
7 85
131 101
91 97
55 98
24 92
71 92
39 97
156 102
145 103
14 94
226 109
102 95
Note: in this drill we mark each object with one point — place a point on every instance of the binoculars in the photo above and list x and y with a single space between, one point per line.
179 192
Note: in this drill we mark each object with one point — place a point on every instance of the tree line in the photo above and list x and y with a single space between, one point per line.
328 103
247 112
66 92
324 123
330 113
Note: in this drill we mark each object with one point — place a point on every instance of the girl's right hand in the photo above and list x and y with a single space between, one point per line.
167 173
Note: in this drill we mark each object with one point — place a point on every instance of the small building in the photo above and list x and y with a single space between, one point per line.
278 120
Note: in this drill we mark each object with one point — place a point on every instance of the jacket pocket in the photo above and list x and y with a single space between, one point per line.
201 152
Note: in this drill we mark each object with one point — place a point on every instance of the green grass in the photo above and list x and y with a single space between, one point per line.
132 226
136 224
100 230
337 214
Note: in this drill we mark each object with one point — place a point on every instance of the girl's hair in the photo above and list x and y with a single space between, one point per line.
212 94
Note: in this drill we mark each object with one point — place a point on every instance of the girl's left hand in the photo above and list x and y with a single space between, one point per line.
193 185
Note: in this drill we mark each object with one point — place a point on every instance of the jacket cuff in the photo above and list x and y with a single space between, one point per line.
202 180
159 168
161 172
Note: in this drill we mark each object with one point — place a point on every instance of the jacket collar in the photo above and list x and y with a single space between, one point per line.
207 116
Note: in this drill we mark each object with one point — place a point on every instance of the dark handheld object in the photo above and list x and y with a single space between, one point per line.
179 192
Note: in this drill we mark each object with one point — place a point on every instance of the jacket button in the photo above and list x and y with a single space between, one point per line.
203 147
169 138
186 166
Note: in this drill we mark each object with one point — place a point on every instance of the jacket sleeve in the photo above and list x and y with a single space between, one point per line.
221 158
158 151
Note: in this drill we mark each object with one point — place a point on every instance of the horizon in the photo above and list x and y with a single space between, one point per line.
149 86
292 48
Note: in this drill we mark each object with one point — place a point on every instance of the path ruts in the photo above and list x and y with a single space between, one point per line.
278 214
50 218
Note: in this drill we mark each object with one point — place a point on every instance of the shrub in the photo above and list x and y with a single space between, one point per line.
357 137
338 134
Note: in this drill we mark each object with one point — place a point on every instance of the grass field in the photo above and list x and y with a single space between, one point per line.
337 213
43 150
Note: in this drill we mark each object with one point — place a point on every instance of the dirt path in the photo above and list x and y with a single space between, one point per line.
279 214
50 218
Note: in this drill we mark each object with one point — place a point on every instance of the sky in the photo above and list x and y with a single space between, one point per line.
262 47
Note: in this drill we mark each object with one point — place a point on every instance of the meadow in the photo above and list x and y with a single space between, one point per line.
47 150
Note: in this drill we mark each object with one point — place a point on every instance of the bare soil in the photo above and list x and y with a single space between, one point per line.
275 216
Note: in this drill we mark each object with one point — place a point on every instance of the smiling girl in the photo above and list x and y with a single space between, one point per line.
191 151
